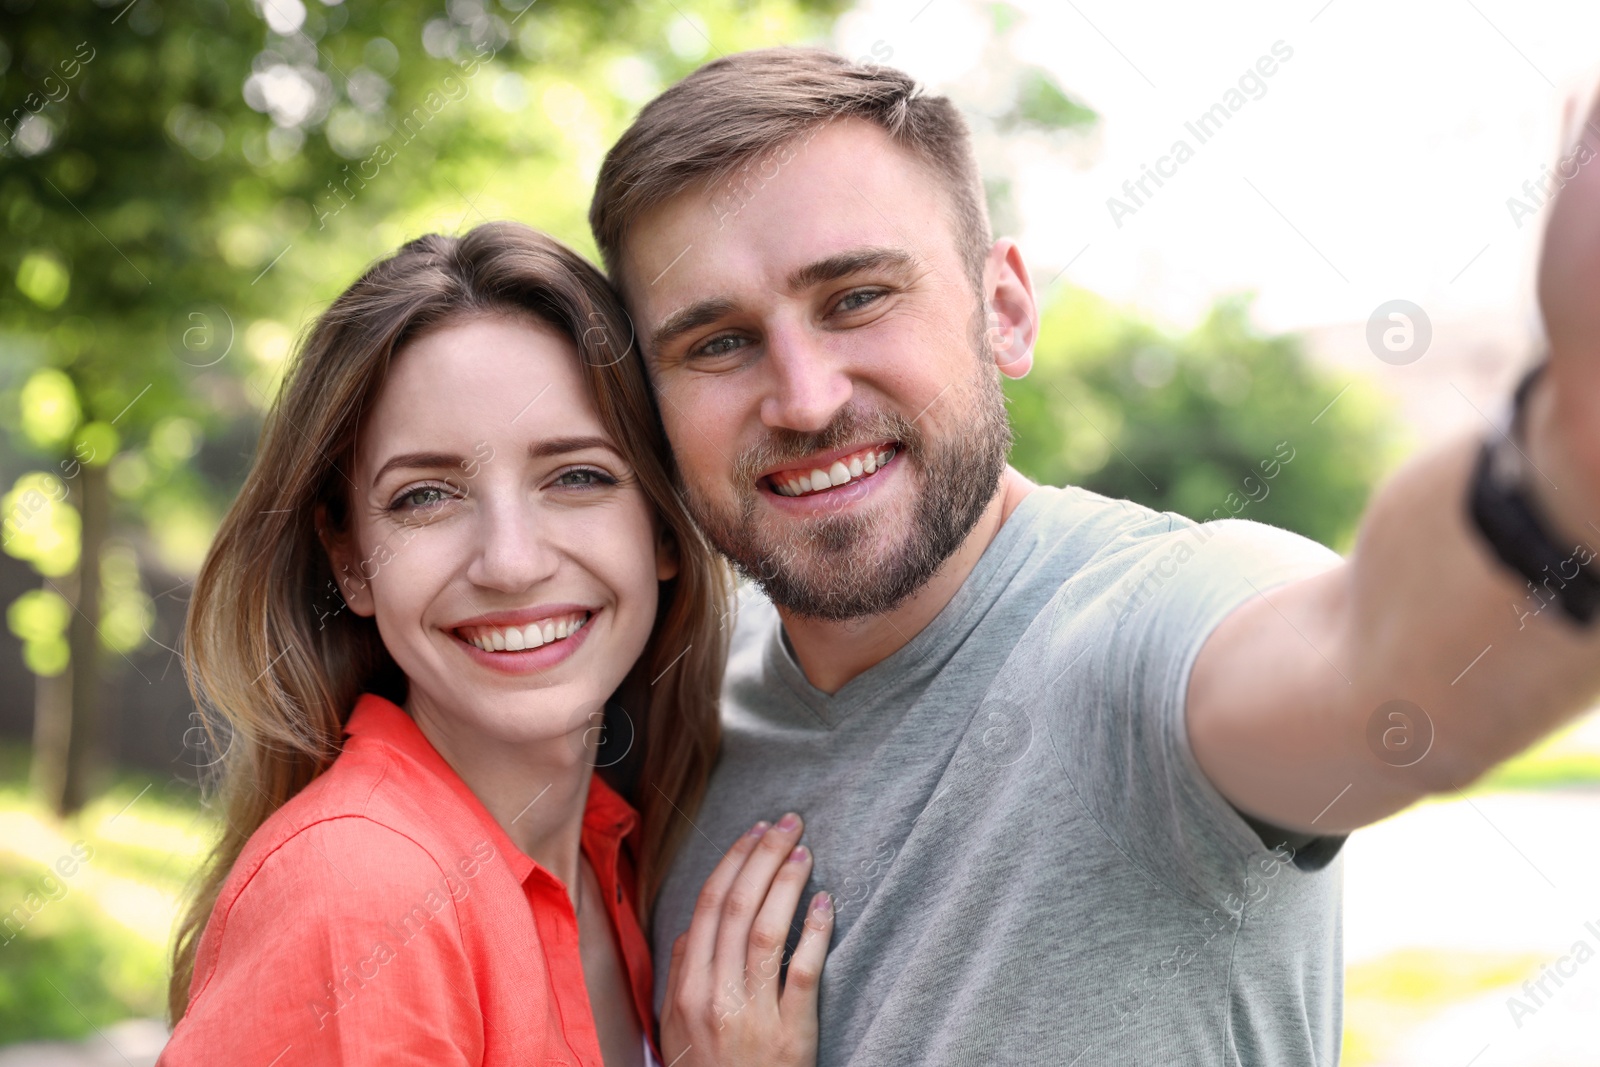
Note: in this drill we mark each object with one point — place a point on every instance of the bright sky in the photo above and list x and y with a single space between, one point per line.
1376 165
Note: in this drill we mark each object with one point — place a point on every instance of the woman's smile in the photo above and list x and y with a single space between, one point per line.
528 641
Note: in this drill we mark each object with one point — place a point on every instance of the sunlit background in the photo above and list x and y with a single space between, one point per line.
183 183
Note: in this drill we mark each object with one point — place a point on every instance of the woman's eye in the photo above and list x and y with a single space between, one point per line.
582 476
422 498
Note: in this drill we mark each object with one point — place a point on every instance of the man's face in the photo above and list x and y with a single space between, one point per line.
819 355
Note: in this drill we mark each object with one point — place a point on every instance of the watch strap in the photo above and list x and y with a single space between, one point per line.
1512 523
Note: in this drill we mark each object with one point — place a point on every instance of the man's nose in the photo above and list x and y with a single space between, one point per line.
808 383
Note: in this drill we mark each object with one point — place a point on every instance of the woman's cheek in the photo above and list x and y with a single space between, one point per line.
412 566
627 566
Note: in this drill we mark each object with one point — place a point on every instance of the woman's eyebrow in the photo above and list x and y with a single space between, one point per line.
416 461
552 446
558 446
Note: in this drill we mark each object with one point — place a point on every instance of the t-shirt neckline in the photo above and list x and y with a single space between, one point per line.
947 629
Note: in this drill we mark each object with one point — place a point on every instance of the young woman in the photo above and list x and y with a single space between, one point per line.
457 564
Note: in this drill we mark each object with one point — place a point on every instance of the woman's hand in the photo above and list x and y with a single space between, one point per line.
724 1007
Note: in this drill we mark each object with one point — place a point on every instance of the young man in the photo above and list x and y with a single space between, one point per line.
1075 771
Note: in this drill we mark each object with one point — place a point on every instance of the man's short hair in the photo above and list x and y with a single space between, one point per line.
731 124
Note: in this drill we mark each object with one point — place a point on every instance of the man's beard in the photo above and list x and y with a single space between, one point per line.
829 567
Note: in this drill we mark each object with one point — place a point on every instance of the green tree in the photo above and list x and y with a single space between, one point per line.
1121 407
1219 422
180 180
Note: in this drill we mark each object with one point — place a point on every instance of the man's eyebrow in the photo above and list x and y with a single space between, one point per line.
700 313
839 265
849 262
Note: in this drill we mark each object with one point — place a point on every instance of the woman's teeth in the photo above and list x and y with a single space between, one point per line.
522 638
844 469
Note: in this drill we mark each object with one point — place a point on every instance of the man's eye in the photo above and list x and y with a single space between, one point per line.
719 346
860 298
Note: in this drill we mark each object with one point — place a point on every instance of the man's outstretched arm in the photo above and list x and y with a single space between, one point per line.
1290 699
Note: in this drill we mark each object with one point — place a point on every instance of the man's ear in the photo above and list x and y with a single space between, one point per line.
1012 312
344 559
667 561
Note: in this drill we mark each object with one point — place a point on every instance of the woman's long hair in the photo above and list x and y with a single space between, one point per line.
276 669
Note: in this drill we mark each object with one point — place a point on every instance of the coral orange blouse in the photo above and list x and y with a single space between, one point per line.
383 917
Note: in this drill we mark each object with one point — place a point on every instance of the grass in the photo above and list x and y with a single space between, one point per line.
87 941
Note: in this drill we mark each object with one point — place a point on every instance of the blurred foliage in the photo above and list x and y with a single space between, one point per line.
1018 114
78 970
184 182
1041 105
90 948
1218 422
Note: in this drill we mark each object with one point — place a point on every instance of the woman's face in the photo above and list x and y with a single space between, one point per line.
497 536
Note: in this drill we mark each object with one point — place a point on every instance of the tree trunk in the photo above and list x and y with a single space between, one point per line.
52 724
67 708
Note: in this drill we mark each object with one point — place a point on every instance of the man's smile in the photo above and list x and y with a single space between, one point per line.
824 472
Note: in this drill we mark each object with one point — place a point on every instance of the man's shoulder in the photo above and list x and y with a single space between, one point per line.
1107 570
1062 543
1077 524
1122 535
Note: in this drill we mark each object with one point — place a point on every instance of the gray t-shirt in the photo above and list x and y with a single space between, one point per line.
1028 864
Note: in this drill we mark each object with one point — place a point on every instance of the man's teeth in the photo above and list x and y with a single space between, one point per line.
521 638
845 469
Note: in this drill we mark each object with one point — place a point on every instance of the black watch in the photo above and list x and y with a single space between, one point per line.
1507 516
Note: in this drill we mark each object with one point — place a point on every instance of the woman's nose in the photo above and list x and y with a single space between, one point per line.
512 550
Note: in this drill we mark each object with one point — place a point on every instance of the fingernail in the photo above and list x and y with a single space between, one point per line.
789 821
798 854
822 904
759 828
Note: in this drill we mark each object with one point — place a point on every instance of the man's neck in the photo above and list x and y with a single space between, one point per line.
832 653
